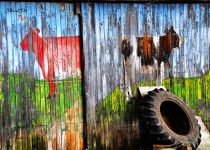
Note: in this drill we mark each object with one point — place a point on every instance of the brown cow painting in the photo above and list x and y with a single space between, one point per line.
167 43
146 49
55 55
159 48
127 49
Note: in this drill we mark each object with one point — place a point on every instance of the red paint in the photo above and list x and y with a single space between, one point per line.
54 54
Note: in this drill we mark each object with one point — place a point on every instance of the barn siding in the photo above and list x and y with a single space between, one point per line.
111 80
28 119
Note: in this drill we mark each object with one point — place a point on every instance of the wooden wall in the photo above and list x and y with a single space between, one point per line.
41 85
112 76
40 77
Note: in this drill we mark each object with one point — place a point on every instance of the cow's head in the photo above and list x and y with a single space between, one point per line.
29 38
174 38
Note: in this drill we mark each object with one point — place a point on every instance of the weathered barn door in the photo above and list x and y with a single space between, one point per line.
40 77
129 45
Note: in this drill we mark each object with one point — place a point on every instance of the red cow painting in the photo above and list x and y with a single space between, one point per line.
55 55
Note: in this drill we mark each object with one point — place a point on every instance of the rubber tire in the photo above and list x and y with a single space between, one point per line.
156 129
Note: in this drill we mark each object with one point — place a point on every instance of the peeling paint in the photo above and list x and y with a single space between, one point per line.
111 80
28 60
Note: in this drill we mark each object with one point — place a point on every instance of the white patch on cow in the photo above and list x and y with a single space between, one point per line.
134 45
156 40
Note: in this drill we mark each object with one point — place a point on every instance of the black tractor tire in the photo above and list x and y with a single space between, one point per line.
167 120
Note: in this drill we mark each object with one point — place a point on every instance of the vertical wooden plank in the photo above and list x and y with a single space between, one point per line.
27 117
104 83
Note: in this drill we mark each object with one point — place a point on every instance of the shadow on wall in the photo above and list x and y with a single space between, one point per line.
30 142
119 129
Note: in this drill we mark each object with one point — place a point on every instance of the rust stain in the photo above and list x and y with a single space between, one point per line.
74 128
72 114
74 140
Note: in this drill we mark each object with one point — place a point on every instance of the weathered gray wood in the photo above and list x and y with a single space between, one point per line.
29 118
105 26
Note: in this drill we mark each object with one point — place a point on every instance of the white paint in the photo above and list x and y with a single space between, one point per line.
134 44
145 89
205 136
162 70
128 93
56 132
156 40
180 42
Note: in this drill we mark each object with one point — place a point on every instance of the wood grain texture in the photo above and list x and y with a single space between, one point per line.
29 119
113 73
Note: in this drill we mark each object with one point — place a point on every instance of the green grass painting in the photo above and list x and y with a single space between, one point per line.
26 100
194 91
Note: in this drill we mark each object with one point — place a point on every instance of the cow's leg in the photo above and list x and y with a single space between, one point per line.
51 81
52 87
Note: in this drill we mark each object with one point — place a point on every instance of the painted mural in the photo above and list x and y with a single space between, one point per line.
159 48
54 54
124 46
129 45
40 77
